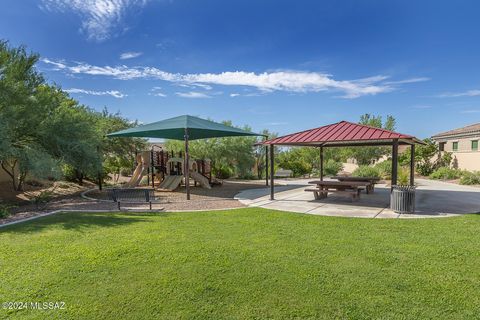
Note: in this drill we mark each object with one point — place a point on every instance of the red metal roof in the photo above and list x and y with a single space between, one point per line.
342 132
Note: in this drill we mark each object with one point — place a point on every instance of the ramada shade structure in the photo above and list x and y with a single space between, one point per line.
346 134
183 128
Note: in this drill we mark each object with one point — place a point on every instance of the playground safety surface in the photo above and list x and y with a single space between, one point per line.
219 197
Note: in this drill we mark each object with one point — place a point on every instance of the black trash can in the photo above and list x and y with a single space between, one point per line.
402 199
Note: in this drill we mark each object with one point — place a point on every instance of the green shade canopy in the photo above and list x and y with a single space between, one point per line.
174 128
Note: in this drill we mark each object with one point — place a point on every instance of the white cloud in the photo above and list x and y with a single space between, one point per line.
130 55
234 95
471 111
411 80
192 94
113 93
469 93
155 91
58 65
100 18
289 81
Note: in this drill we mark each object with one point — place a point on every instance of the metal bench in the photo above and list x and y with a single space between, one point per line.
131 195
282 173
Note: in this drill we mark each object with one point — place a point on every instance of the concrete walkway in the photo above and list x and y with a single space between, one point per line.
433 199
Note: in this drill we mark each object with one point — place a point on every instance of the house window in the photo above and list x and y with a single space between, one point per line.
455 146
441 146
474 145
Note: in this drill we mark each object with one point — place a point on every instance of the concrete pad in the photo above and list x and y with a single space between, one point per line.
291 206
434 199
387 213
260 203
345 211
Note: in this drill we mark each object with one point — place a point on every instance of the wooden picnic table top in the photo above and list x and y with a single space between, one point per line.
353 184
369 179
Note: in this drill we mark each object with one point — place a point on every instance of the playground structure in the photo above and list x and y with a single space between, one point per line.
142 163
185 128
165 170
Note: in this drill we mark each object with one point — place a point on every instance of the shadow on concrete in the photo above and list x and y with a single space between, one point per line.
429 201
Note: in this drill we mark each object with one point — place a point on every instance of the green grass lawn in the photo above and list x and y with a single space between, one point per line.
246 263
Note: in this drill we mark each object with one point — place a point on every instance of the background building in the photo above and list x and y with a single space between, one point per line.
463 144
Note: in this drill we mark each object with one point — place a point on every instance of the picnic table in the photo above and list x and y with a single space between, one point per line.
351 188
371 180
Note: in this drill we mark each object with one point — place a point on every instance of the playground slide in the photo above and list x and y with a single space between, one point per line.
136 177
200 179
171 182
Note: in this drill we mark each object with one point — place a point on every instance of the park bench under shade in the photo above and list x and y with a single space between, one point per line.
345 134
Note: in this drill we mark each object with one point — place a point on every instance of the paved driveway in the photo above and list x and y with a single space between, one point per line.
433 199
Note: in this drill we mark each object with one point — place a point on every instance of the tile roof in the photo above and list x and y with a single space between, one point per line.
464 130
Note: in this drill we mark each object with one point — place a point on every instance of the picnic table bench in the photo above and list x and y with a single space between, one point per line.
131 195
351 189
372 180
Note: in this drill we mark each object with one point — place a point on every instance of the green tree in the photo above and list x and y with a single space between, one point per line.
118 153
366 155
306 160
43 129
19 109
230 155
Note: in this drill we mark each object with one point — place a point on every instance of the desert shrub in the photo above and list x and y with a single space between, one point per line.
43 198
366 171
298 166
445 160
222 172
125 172
5 210
445 173
69 173
385 169
470 178
425 168
403 178
247 176
332 167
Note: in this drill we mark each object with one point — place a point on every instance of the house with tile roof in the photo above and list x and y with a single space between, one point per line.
463 144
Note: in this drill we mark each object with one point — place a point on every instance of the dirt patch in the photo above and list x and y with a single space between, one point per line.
32 189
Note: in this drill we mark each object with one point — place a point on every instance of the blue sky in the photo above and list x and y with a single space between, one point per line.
281 65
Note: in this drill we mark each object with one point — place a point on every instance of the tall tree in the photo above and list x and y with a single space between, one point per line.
118 153
19 83
42 128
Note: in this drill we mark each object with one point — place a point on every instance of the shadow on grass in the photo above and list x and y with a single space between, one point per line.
81 222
